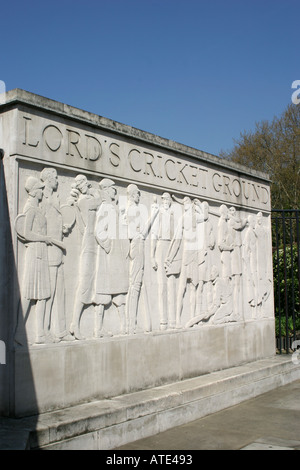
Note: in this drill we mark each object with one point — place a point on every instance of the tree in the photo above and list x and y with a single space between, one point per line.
274 148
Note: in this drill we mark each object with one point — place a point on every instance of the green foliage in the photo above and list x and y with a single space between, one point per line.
286 288
290 325
274 148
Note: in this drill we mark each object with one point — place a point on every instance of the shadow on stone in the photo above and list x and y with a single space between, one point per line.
13 435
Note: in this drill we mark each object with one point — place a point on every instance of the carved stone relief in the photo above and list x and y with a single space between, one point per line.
184 262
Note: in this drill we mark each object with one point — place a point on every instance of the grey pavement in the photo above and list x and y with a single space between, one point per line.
268 422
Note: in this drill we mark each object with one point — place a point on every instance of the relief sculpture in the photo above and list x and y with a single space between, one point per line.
112 267
162 234
265 268
184 249
204 290
204 260
55 316
86 201
31 227
236 226
138 229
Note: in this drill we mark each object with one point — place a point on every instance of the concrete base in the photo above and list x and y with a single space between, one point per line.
107 424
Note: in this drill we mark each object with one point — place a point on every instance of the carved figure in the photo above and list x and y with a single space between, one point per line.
112 260
225 243
251 262
221 309
235 227
263 267
31 227
86 201
138 229
205 261
184 247
55 307
162 234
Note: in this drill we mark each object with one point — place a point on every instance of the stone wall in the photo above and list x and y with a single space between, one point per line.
138 261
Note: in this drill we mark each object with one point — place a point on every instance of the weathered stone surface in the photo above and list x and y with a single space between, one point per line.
129 261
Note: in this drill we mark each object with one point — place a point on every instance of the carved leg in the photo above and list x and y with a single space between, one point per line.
121 311
99 317
75 325
40 319
180 296
171 286
131 308
193 289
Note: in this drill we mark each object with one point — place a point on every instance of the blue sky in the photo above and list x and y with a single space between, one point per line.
195 71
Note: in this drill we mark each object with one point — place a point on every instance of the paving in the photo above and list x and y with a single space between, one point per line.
268 422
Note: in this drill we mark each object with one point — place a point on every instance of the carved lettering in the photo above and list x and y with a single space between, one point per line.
133 160
93 148
181 175
27 133
73 141
148 163
244 192
265 200
203 177
236 187
216 182
194 175
159 166
226 181
255 192
52 137
171 177
115 160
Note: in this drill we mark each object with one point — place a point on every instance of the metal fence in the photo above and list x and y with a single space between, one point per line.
286 267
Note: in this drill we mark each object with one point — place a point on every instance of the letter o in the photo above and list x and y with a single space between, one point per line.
53 134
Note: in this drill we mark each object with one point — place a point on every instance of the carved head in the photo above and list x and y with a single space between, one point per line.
34 187
166 200
81 183
134 193
232 211
49 176
187 203
259 218
224 211
108 189
205 208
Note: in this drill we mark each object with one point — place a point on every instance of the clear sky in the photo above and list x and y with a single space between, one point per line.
195 71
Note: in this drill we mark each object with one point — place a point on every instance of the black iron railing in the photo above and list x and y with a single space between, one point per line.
286 267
